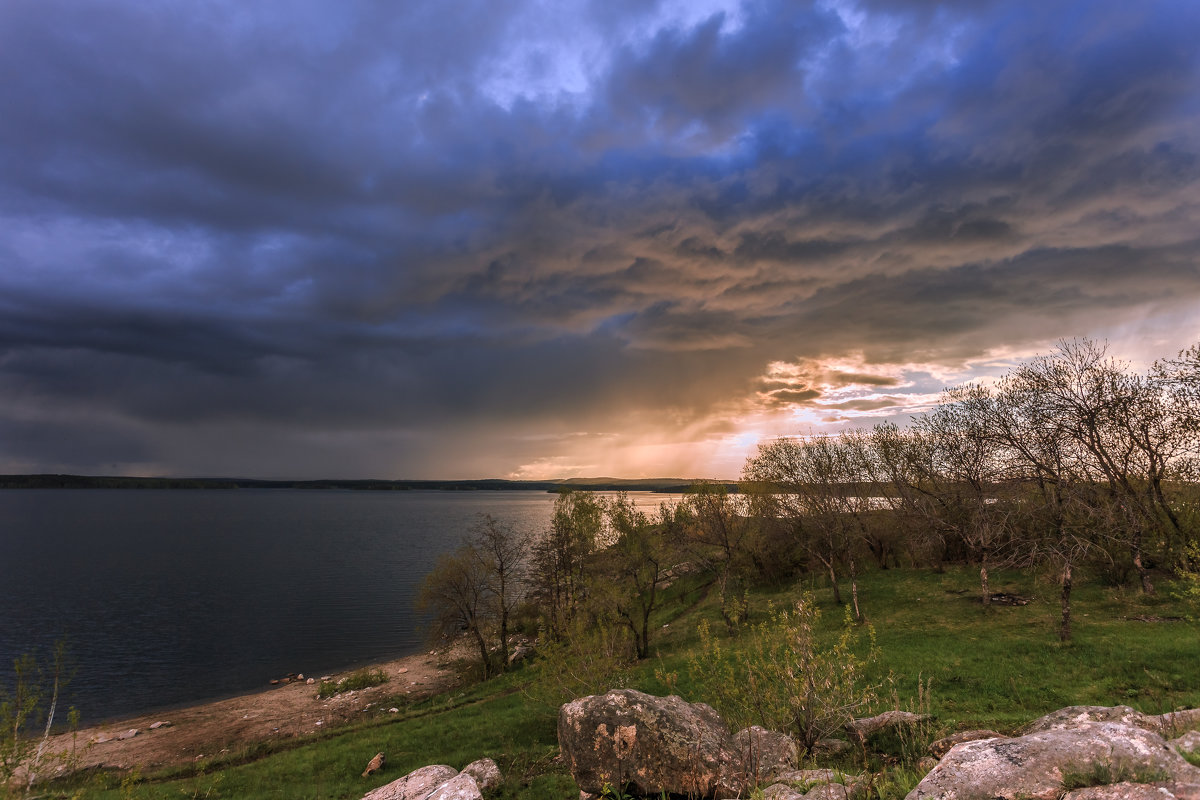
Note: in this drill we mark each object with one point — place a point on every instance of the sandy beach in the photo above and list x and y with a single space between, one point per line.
206 730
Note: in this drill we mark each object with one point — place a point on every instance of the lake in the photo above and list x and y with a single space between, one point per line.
172 597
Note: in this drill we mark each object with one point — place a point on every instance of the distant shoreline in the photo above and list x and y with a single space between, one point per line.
49 481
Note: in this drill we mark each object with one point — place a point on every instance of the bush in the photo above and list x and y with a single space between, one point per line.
591 659
784 678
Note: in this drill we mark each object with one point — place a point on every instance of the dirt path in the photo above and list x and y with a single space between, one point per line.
187 735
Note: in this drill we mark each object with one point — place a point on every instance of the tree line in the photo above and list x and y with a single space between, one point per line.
1071 462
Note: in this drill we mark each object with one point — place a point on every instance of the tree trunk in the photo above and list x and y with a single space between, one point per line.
833 581
730 623
1064 631
1143 573
503 633
484 657
983 584
854 590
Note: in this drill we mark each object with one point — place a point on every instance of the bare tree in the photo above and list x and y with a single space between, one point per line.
476 589
503 553
976 500
715 527
821 485
456 591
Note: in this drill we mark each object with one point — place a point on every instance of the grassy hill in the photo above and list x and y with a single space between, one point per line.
995 668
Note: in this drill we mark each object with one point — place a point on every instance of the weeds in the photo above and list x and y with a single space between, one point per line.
362 679
784 678
1105 773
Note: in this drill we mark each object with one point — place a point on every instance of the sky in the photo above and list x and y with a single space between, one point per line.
524 239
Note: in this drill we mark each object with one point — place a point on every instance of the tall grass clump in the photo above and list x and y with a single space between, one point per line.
361 679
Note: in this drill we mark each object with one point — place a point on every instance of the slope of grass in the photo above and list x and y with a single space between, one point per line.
997 667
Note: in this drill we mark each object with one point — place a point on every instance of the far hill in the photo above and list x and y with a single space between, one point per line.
490 484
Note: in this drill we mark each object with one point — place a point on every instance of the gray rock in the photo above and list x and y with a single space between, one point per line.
862 728
942 746
520 653
1176 722
1188 743
781 791
831 747
161 724
835 791
826 782
129 734
809 777
485 772
1032 766
416 785
1134 791
653 744
762 753
461 787
1074 716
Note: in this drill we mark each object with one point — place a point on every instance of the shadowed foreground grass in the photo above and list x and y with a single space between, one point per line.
997 668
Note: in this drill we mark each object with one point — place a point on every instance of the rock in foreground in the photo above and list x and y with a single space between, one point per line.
416 785
650 744
1033 766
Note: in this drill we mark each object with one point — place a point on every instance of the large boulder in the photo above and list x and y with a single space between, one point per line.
416 785
1074 716
627 738
1033 766
762 753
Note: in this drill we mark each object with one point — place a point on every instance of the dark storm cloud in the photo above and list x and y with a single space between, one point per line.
363 236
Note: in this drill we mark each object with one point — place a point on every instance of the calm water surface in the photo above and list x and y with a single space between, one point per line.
170 597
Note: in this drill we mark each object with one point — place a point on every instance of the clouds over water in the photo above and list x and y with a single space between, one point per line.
438 240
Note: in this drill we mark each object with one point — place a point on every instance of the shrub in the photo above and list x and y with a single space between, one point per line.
591 659
784 678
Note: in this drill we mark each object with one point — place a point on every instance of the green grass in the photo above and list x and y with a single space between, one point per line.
996 668
361 679
1103 773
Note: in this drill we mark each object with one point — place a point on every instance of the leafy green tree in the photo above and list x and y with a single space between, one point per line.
630 572
560 558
